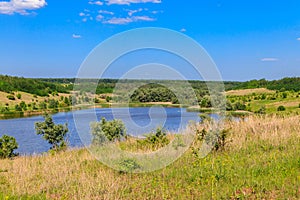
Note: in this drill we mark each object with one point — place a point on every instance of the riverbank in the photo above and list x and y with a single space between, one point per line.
31 113
261 161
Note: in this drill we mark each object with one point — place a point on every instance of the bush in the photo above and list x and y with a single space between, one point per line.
54 134
217 139
7 146
281 108
11 97
19 96
107 131
128 165
262 110
155 140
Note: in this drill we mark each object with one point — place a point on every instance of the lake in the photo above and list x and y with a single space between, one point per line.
138 121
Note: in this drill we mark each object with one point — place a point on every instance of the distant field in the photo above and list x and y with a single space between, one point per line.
249 91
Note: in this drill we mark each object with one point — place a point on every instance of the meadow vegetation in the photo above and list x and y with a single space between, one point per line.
260 160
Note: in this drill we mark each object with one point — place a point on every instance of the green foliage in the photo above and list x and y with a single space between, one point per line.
284 95
54 134
239 106
129 165
285 84
53 104
262 110
8 145
153 93
217 139
108 99
104 131
33 86
19 96
11 97
155 140
204 118
281 108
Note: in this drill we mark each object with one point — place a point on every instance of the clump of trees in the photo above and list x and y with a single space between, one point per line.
52 133
8 145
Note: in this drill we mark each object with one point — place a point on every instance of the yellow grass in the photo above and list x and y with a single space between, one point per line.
249 91
273 128
26 97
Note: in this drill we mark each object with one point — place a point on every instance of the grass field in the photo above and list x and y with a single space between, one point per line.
261 161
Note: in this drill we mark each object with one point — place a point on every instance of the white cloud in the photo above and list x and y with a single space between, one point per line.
131 12
298 39
269 59
75 36
183 30
128 2
143 18
99 3
120 21
127 20
99 17
105 12
20 6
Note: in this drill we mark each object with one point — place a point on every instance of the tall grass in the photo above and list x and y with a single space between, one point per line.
261 162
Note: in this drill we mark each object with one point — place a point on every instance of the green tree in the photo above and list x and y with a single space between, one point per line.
281 108
7 146
54 134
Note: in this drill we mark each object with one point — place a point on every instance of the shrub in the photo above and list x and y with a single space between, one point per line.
284 95
18 108
239 106
217 139
107 131
11 97
262 110
155 140
128 165
19 96
7 146
54 134
281 108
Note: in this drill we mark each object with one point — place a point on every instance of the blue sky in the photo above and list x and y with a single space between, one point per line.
246 39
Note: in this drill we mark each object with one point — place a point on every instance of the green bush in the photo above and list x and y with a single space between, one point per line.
19 96
155 140
7 146
262 110
54 134
128 165
11 97
107 131
217 139
281 108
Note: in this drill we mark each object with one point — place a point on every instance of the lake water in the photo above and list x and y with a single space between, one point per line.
138 121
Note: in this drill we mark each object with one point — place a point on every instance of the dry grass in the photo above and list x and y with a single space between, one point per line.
76 173
272 128
26 97
249 91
